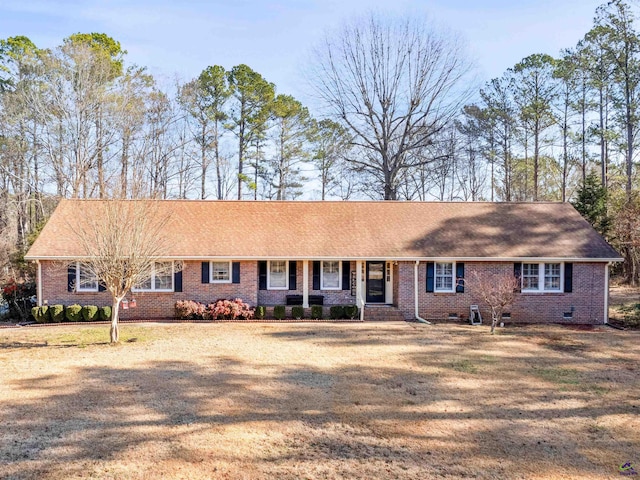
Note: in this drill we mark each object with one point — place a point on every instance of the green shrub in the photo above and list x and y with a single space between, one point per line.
261 312
351 311
89 313
297 312
56 313
37 314
279 312
104 313
44 314
73 313
316 312
336 312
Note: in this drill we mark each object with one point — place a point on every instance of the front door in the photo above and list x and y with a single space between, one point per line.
375 282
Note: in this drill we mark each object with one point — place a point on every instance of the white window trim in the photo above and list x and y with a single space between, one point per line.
322 285
211 280
541 274
153 280
454 280
286 275
78 288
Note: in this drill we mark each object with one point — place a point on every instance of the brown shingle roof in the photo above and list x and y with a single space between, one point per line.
389 230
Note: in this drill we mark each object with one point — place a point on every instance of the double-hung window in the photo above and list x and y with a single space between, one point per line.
159 280
331 275
86 280
220 272
542 277
444 279
530 276
278 274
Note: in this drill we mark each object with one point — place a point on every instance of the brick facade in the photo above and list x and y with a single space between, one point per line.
331 297
586 301
153 304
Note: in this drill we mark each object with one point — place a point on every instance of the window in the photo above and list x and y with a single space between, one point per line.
86 280
530 276
444 277
331 275
552 276
220 272
161 279
542 277
278 272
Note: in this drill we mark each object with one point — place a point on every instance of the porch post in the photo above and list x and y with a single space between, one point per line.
359 298
305 284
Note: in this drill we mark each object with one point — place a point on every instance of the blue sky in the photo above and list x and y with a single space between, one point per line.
180 38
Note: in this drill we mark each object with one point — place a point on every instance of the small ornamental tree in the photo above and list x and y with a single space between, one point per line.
497 290
122 240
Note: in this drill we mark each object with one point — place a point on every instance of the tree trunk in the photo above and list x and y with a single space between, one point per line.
494 320
115 331
217 154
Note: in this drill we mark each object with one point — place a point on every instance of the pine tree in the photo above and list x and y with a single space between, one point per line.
591 202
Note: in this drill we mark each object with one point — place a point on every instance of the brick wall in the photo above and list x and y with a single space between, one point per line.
152 304
587 298
331 297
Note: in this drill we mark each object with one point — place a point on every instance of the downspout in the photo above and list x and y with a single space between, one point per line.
39 283
606 293
415 295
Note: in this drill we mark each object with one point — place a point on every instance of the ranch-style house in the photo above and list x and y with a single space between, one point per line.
398 260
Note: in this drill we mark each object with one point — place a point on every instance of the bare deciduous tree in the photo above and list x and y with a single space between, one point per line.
394 83
497 290
122 240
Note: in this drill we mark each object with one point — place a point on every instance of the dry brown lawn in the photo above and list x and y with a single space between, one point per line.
294 401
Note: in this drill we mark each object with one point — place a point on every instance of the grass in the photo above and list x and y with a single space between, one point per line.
76 336
624 306
373 400
464 365
564 376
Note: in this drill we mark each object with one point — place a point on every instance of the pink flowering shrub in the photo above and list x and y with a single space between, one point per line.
230 310
190 310
219 310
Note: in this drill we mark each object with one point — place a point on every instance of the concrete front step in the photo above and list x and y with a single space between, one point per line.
382 313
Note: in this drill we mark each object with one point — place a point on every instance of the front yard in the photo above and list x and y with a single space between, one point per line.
387 400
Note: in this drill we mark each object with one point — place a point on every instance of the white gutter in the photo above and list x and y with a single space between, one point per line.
400 259
606 293
415 294
39 283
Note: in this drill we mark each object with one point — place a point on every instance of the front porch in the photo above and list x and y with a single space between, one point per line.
327 282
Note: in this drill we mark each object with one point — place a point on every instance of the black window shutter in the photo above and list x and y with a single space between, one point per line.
430 275
346 275
293 275
568 277
316 275
101 287
459 277
71 278
517 272
235 272
262 275
205 272
177 281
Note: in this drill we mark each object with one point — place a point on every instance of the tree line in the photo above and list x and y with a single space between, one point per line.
398 118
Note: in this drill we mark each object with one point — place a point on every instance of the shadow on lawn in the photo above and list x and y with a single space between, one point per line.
349 412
